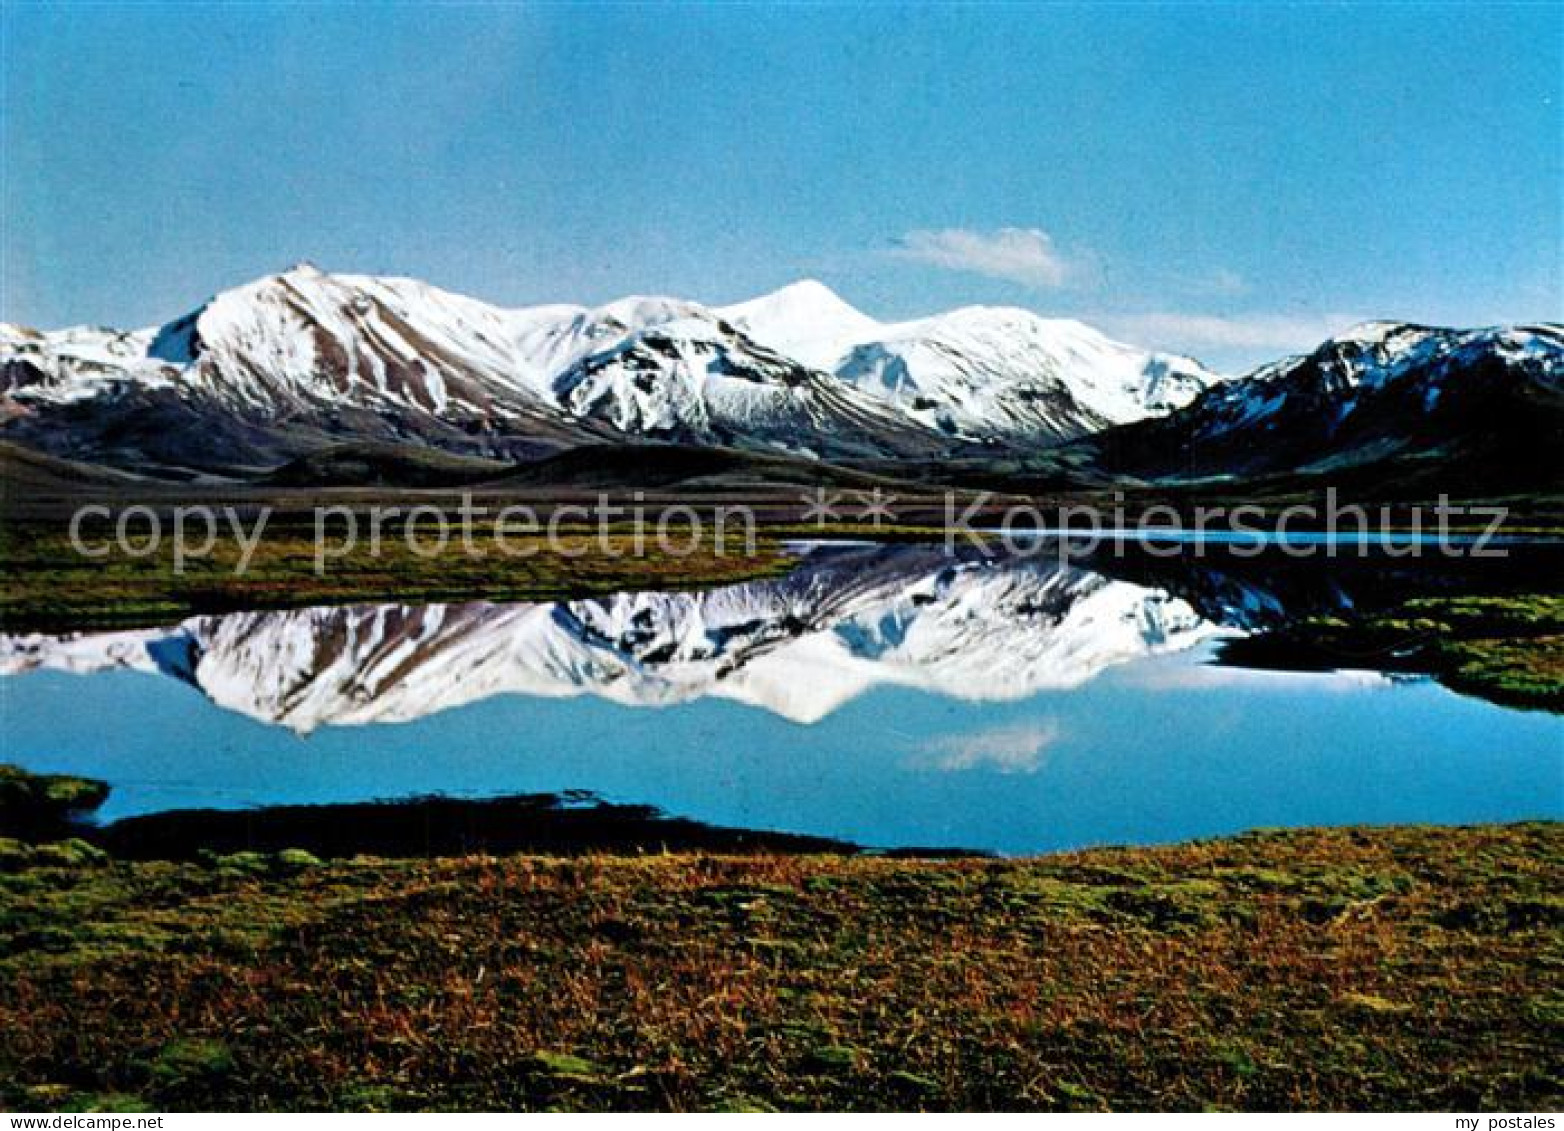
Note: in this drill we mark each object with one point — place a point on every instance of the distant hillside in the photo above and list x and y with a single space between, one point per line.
1445 409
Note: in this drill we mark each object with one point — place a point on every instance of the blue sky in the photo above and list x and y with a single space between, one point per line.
1231 181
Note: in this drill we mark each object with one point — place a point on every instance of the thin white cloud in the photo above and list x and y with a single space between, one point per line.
1278 333
1008 750
1020 255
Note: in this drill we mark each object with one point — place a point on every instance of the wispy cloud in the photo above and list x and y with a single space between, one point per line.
1021 255
1008 750
1281 333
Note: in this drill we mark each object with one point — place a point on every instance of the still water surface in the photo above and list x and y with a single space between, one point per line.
889 696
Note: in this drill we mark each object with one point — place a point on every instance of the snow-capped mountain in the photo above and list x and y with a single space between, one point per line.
1480 400
987 374
279 367
284 365
848 620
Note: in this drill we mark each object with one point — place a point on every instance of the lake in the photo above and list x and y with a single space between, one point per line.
886 695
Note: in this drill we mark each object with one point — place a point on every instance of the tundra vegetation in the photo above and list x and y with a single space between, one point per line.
1400 968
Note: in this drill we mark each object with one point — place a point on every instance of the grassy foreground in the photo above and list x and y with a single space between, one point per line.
1388 968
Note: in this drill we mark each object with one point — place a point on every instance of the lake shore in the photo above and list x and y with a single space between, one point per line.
1364 968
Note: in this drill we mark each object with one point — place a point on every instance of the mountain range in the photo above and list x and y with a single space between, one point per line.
300 363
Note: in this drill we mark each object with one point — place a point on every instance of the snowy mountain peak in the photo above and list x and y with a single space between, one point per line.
650 310
805 299
806 320
1372 332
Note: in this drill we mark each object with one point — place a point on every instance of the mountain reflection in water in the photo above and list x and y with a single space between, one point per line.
849 619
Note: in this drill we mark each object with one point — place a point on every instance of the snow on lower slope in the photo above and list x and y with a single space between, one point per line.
301 350
800 646
307 350
686 378
77 364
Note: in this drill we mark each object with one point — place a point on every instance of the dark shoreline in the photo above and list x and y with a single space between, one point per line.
51 808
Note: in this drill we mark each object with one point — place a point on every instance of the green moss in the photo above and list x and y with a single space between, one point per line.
192 1059
71 853
297 860
45 804
1509 649
1373 1003
377 1097
244 863
14 855
564 1066
118 1102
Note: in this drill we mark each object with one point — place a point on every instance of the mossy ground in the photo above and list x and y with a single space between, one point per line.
1506 648
47 796
42 805
1387 968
